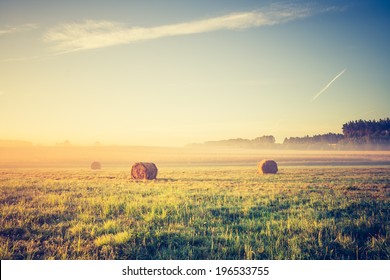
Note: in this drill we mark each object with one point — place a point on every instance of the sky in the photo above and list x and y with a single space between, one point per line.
174 72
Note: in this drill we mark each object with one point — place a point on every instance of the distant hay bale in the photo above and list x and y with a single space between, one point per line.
144 170
96 165
267 166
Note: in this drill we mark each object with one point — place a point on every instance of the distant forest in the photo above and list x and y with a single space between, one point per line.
359 134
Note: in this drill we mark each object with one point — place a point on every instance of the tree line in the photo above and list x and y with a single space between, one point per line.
329 138
258 142
359 134
367 132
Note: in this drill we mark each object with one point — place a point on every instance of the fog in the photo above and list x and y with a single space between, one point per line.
112 156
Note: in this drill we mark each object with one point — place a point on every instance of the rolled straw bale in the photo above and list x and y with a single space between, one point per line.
267 166
144 170
96 165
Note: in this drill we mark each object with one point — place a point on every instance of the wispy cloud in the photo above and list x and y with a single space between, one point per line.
16 29
91 34
328 85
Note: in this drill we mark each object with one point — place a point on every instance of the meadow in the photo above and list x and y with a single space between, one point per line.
196 212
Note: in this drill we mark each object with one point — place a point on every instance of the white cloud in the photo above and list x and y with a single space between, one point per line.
91 34
16 29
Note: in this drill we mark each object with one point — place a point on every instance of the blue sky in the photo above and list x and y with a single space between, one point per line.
169 73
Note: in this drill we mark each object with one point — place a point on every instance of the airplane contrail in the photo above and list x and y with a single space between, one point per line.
328 85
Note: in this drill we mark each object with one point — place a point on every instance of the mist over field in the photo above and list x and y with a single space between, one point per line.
79 156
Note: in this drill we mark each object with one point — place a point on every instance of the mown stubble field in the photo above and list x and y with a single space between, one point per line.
208 212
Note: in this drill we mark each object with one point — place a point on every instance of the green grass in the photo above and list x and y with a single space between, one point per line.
196 213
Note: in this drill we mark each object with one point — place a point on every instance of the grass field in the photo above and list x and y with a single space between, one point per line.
209 212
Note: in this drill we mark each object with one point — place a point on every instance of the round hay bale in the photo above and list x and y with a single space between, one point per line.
267 166
144 170
96 165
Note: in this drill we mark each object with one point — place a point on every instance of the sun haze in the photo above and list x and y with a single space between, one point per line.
169 73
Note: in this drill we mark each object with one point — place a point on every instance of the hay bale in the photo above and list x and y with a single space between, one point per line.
144 170
96 165
267 166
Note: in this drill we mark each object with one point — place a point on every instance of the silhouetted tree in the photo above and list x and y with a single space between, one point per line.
367 132
329 138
